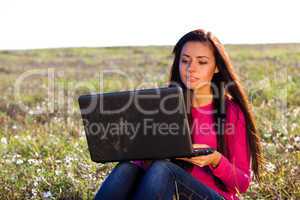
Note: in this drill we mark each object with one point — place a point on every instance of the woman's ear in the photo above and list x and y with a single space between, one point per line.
216 70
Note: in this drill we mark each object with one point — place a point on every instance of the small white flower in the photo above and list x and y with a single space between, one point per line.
35 183
19 161
270 167
33 161
34 192
294 170
289 147
4 140
69 159
57 172
70 175
284 138
14 127
82 133
47 194
39 178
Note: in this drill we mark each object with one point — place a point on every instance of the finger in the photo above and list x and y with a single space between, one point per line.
201 164
195 163
184 159
199 158
200 146
181 158
198 164
203 157
189 161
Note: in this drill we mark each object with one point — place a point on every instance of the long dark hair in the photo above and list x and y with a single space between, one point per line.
233 90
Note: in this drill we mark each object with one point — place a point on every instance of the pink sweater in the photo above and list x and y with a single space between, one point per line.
233 169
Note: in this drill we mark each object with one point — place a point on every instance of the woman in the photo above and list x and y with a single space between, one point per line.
219 117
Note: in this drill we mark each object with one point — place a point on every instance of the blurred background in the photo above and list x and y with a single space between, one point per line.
53 51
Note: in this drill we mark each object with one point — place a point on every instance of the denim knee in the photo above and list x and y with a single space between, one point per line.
160 164
118 184
157 183
159 169
125 166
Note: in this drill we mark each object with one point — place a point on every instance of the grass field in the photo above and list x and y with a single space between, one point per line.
45 156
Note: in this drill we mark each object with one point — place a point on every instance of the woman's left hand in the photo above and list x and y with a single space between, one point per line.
201 161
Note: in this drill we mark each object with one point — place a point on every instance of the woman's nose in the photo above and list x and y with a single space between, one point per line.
191 67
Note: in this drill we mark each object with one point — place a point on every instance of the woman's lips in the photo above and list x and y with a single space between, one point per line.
192 78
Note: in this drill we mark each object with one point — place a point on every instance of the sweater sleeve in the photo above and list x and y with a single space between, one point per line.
235 171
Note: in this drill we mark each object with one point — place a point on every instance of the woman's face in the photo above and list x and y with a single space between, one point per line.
197 64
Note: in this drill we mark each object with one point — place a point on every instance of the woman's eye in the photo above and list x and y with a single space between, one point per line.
183 61
202 63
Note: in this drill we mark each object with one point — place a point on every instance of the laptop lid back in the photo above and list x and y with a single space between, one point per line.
137 124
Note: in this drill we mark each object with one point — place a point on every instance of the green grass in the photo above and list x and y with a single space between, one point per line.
47 153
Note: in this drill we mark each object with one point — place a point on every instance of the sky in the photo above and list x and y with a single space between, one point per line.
35 24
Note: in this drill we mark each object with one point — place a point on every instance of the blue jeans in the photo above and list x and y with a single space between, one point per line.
161 181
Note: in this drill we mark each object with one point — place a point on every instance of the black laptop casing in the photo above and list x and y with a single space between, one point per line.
139 141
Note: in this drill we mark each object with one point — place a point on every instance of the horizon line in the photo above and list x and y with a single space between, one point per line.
140 45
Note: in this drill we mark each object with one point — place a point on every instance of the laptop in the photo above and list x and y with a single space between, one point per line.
141 124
